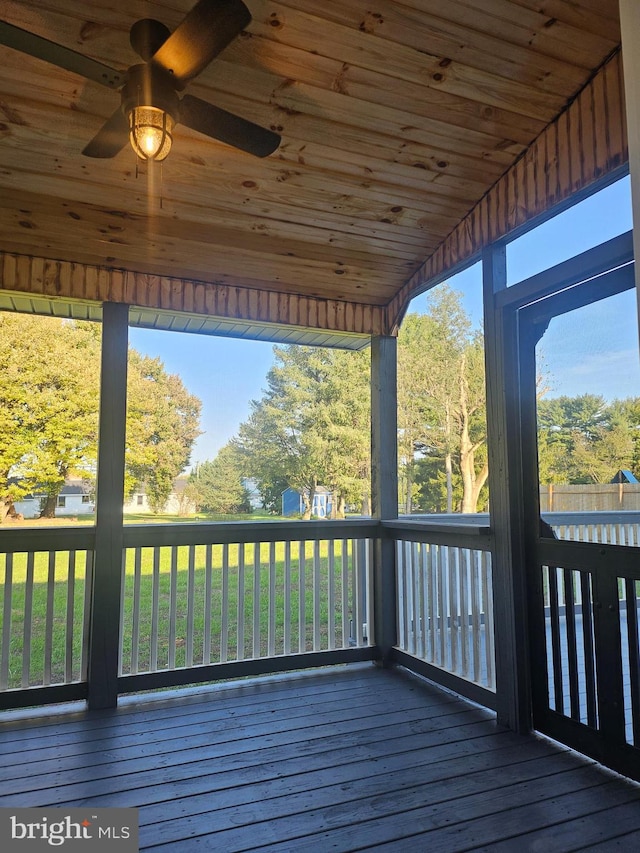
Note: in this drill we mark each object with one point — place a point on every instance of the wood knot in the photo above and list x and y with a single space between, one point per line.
89 30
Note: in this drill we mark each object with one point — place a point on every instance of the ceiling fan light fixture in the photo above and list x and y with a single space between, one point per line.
150 132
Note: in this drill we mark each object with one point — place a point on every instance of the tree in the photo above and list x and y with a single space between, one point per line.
344 429
311 427
217 485
441 405
162 424
584 439
49 402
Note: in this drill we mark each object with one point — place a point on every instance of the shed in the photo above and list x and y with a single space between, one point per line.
293 502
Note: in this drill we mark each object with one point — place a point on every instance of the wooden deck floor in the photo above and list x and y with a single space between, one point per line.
350 758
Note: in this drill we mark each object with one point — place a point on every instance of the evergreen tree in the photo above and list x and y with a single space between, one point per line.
217 486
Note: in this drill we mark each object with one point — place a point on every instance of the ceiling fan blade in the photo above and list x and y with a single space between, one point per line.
227 127
63 57
110 139
202 35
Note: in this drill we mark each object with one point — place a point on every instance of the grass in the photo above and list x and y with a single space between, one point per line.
137 518
229 611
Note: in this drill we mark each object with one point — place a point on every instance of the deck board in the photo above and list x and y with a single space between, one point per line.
348 758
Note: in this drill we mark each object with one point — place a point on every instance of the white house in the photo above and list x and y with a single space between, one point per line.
177 502
76 498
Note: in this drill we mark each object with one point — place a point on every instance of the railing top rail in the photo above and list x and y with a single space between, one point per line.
623 516
466 525
237 532
27 539
482 519
462 535
444 526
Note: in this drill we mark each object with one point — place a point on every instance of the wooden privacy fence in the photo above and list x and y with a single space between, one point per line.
590 497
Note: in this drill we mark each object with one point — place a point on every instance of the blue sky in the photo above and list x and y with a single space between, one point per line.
581 353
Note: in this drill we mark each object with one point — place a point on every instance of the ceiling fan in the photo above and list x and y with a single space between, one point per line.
150 103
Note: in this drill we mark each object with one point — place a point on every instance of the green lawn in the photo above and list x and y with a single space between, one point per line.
171 595
137 518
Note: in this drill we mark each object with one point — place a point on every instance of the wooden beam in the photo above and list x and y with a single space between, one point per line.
47 277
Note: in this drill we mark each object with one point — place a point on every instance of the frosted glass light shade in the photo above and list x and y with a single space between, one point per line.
150 132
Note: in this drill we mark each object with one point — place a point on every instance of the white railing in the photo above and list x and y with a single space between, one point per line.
612 528
203 594
210 601
445 609
44 616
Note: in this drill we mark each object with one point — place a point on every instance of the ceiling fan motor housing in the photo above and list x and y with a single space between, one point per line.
148 86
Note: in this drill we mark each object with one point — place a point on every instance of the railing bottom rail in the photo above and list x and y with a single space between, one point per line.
242 669
444 678
11 700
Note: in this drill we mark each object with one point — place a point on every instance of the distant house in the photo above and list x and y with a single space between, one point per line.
76 498
253 495
293 502
177 502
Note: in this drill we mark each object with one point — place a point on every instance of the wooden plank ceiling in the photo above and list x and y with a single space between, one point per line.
396 119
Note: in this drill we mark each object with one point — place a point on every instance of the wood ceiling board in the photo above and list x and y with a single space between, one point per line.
453 41
396 120
527 27
405 64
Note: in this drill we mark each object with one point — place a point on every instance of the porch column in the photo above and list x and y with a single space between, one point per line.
384 486
630 27
505 488
107 578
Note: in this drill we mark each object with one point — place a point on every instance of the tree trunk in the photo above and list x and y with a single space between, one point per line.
467 454
408 506
49 507
366 505
472 483
6 510
309 501
448 466
306 515
448 458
